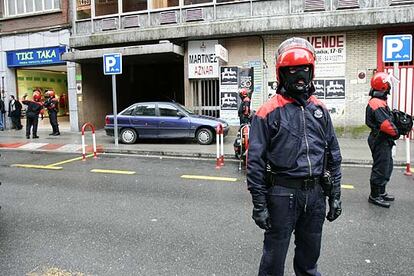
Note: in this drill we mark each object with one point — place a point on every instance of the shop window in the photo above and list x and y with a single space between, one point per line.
160 4
134 5
105 7
22 7
195 2
83 9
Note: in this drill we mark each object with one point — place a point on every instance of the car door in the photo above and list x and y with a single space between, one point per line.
171 124
145 121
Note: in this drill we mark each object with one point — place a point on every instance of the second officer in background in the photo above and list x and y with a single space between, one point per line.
52 105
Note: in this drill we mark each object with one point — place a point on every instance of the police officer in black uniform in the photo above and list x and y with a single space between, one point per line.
244 108
34 108
381 138
51 104
292 148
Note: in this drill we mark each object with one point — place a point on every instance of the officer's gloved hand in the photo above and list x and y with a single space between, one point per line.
260 213
334 200
335 209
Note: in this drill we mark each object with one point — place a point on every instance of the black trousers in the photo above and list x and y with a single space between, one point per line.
381 149
31 122
53 121
16 122
302 211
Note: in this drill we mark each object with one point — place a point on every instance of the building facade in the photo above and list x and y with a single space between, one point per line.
188 50
34 35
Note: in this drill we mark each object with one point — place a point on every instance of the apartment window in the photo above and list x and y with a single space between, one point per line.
134 5
21 7
195 2
105 7
223 1
160 4
83 9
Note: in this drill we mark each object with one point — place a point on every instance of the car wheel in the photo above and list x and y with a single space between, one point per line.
128 136
204 136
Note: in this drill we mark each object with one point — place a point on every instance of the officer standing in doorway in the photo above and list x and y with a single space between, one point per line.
293 164
381 138
34 108
52 105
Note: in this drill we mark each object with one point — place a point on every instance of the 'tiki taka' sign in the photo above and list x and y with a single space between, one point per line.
33 57
202 60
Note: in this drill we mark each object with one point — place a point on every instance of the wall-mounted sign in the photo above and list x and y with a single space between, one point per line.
329 48
222 53
35 57
329 88
202 60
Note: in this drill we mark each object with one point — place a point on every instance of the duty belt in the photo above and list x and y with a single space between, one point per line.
294 183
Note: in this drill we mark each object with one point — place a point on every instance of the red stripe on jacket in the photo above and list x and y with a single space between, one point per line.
272 104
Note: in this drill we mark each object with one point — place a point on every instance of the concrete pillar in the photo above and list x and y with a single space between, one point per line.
72 96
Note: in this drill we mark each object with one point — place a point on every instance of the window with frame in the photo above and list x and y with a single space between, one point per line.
129 111
168 110
83 9
195 2
105 7
22 7
224 1
134 5
145 110
161 4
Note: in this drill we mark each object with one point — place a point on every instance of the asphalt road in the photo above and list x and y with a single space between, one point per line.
155 222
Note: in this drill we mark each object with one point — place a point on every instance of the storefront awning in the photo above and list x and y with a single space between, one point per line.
141 50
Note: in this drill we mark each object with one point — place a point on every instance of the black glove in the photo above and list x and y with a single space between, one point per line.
261 214
335 209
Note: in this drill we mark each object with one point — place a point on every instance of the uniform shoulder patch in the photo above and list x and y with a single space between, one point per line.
376 103
273 103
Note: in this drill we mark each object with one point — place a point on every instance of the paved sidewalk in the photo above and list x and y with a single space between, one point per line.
354 151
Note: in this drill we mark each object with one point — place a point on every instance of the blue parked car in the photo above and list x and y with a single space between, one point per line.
161 120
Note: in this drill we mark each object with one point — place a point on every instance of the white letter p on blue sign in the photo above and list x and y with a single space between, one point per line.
112 64
397 48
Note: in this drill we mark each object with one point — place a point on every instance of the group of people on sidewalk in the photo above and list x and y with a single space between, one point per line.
35 109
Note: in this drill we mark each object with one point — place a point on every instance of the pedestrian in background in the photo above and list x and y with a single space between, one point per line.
52 106
15 112
2 113
381 139
292 148
34 108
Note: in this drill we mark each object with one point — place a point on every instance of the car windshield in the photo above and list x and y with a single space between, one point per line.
186 109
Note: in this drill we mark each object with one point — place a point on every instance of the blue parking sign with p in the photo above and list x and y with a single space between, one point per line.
112 64
397 48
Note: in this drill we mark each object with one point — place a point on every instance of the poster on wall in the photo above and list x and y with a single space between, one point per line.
257 96
246 79
28 80
229 99
329 48
332 93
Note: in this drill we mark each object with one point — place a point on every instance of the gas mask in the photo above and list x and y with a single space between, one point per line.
296 79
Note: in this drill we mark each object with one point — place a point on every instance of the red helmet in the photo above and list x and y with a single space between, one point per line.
50 93
37 96
381 81
295 51
243 92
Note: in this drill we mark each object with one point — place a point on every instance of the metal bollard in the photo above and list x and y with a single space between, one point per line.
83 140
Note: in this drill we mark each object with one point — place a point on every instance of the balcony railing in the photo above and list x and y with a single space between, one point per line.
87 21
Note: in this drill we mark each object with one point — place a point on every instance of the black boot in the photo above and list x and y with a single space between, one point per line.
376 199
385 195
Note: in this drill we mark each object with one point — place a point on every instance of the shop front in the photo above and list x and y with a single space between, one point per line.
41 69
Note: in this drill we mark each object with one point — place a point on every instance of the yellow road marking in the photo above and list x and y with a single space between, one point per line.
203 177
36 167
69 160
112 171
347 186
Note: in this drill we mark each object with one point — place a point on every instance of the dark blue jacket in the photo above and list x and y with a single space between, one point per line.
291 138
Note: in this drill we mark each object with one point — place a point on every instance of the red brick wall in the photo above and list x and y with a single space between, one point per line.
28 23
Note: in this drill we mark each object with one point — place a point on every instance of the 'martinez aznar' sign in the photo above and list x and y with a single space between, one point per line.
202 60
33 57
